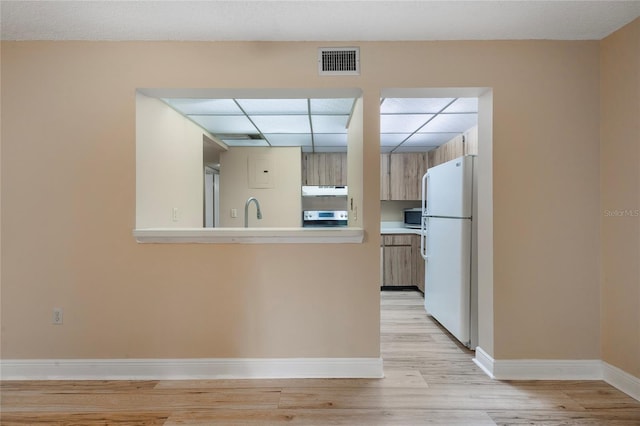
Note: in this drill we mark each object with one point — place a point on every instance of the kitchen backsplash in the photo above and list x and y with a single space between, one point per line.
324 203
393 210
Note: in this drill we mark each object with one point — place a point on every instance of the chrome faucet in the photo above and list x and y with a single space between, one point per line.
246 210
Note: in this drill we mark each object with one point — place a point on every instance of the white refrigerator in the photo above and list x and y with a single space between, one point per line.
448 247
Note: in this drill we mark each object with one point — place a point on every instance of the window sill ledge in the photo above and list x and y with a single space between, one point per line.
249 235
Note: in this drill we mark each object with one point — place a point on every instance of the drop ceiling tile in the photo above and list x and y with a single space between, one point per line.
450 123
329 123
282 123
274 106
205 106
332 106
330 139
225 124
413 105
393 139
296 139
407 123
463 105
431 139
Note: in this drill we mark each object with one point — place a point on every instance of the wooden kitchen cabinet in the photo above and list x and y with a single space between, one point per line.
401 175
401 263
418 263
397 260
324 169
463 144
384 176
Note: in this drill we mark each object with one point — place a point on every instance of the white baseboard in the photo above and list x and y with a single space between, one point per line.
538 369
527 369
621 380
534 369
484 361
183 369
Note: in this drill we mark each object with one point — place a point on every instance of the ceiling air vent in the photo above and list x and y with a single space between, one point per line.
339 61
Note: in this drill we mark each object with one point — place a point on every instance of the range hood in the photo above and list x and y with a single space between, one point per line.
324 191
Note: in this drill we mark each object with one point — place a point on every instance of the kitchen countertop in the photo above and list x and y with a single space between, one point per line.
389 227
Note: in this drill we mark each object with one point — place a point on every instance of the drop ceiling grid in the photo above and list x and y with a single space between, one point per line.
320 125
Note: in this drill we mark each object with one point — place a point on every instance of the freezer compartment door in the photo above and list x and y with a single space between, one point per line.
448 275
449 189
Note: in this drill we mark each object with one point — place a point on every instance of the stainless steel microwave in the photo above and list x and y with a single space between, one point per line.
412 217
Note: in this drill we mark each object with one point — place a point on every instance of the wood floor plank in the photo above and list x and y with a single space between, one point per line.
336 417
441 398
409 378
84 419
564 418
143 401
81 386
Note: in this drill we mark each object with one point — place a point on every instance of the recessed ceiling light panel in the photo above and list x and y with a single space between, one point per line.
274 106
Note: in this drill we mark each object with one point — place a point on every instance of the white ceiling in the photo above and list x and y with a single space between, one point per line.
313 20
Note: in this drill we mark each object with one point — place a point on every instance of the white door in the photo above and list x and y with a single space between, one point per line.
448 275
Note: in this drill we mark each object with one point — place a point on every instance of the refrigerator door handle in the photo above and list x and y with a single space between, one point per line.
423 237
425 194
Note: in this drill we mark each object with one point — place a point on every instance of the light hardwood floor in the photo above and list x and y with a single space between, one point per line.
430 379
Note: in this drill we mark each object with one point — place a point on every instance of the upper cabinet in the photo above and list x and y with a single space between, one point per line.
401 175
464 144
384 176
324 169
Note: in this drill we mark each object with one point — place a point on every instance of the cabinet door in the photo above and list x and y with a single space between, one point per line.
335 168
405 177
397 239
418 263
471 141
449 151
384 177
324 169
397 260
397 266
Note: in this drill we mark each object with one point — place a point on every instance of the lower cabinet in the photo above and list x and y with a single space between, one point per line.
418 263
401 262
396 260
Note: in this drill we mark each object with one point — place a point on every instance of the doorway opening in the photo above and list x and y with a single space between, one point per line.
420 129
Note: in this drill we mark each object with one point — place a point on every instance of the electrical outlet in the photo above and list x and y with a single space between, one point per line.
175 214
57 316
234 212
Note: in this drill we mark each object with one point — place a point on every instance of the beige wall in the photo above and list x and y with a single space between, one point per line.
620 198
69 108
169 167
545 203
281 203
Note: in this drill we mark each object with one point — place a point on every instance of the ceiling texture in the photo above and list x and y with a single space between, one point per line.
318 124
314 20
